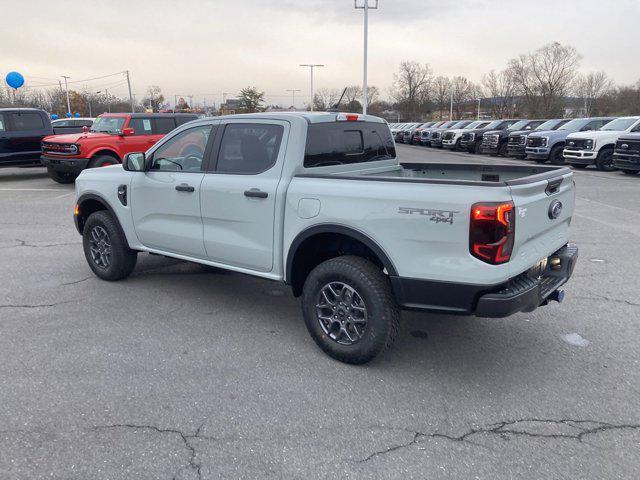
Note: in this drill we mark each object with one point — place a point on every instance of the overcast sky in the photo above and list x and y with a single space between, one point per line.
212 46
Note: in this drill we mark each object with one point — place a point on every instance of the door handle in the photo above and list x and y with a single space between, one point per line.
183 187
255 193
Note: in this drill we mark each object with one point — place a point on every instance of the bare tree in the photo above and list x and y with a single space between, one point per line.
545 78
412 86
592 87
501 89
154 98
463 92
441 93
325 98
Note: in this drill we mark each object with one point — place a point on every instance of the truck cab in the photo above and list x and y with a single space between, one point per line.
597 147
517 143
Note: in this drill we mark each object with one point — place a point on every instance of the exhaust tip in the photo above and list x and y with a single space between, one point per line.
557 296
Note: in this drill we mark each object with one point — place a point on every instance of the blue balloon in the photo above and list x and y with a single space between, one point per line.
14 80
68 114
54 116
77 115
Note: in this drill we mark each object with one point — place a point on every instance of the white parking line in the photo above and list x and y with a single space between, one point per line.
32 190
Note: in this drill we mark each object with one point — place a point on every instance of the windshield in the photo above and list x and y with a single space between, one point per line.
108 124
619 124
473 125
460 124
550 125
493 125
519 125
574 124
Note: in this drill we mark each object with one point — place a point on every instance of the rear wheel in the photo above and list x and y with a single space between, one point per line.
557 156
102 161
106 249
61 177
349 309
604 160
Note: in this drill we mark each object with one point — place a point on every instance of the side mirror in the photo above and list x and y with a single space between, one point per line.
134 162
128 131
85 129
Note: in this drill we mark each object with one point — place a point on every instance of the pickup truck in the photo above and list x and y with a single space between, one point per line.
320 202
587 148
626 156
494 142
471 140
437 133
111 137
543 146
517 144
451 138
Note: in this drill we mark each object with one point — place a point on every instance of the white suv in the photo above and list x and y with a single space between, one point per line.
596 147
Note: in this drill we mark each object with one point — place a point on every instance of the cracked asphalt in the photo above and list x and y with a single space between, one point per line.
182 372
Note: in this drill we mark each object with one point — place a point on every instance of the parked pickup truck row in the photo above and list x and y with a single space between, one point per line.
320 202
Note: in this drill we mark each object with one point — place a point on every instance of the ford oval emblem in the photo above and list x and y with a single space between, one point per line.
625 146
555 209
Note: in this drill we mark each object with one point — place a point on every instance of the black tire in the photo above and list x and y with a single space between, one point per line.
106 248
631 172
456 147
604 160
477 149
381 313
556 157
61 177
102 161
502 150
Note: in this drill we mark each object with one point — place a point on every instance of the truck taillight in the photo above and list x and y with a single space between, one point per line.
492 232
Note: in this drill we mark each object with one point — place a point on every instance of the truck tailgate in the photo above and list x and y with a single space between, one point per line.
543 215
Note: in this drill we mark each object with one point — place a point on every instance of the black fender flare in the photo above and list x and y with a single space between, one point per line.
342 230
92 196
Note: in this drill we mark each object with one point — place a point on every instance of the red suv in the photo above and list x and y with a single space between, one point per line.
111 137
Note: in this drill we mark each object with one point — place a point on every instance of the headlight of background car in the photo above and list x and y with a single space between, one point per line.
588 145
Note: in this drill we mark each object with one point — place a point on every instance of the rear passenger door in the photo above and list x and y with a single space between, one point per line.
239 194
142 138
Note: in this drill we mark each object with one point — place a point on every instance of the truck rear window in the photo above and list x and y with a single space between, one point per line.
343 143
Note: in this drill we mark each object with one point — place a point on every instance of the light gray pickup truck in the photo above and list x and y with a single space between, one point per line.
320 201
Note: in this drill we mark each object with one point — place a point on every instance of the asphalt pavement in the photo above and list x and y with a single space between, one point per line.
182 372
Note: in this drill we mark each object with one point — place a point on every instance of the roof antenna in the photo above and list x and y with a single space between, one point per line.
336 108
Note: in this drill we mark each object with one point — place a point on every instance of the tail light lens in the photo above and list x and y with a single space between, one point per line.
492 232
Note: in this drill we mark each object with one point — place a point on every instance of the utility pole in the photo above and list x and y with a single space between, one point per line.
293 97
311 67
66 87
365 83
133 108
478 109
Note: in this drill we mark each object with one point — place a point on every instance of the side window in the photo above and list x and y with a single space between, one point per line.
141 126
2 123
181 119
249 148
85 123
183 152
27 121
162 126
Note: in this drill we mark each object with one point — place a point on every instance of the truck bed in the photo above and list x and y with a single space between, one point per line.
454 173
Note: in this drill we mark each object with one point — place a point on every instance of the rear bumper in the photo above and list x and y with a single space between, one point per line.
522 293
62 164
626 162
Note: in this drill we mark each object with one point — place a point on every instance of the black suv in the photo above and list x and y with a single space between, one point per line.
626 155
471 140
21 131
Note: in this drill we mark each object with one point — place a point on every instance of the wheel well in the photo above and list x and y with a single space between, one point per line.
86 208
607 147
107 152
307 254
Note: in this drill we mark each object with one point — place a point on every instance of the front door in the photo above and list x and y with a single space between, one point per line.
238 197
165 201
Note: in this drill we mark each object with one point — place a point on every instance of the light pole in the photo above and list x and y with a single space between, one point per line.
293 97
451 107
478 109
66 87
311 67
365 86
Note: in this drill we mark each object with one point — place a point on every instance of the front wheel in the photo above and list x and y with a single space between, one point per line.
557 155
106 249
477 148
61 177
604 160
349 309
102 161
